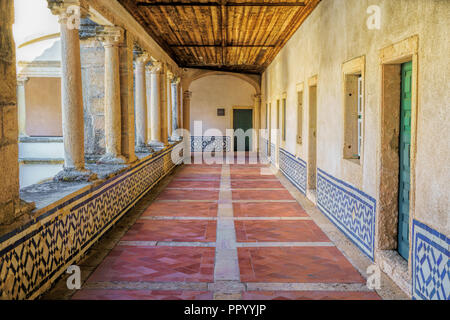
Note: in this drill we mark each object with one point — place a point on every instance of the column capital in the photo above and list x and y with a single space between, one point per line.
257 97
176 79
187 94
142 57
154 67
21 80
69 8
111 36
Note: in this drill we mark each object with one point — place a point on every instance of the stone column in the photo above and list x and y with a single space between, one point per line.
174 92
72 93
141 103
187 95
179 105
257 113
111 38
169 110
21 105
127 97
155 105
163 105
9 164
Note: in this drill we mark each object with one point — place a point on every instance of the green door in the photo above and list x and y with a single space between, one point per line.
242 119
405 169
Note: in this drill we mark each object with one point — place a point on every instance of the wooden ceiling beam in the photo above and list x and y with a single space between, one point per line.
220 4
220 45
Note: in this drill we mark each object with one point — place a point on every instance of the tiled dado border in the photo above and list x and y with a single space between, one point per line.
294 169
272 153
430 264
210 143
350 209
34 256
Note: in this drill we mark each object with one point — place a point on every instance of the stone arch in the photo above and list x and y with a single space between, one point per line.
194 74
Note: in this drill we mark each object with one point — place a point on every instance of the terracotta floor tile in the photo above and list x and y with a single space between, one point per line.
182 209
188 184
102 294
196 176
172 230
156 264
188 195
296 264
261 195
243 184
242 176
309 295
268 209
279 231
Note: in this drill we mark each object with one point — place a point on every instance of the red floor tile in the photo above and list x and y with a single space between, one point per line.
261 195
243 184
253 176
279 231
182 209
104 294
296 264
309 295
248 170
204 170
172 230
268 209
156 264
197 176
194 184
188 195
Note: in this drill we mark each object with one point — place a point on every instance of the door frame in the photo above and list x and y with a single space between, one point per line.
391 59
253 145
312 82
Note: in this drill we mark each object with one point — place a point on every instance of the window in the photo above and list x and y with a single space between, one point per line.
353 108
299 116
267 115
283 123
360 113
353 116
278 115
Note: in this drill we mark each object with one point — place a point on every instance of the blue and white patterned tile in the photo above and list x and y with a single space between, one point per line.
350 209
430 264
294 169
272 153
210 143
32 257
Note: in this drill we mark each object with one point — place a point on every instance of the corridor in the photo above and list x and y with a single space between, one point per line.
224 232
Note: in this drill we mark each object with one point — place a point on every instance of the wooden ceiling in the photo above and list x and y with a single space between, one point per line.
239 35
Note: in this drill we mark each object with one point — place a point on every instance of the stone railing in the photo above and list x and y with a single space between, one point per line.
34 255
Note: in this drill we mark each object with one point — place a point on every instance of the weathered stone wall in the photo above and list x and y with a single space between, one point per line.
9 165
336 32
93 76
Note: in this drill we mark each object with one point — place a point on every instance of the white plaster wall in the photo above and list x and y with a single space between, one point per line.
218 91
336 32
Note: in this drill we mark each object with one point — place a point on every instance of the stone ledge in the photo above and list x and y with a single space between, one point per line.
396 268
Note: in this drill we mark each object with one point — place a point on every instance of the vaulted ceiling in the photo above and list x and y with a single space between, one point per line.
238 35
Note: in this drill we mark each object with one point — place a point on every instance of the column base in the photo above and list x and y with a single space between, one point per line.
144 149
112 159
156 144
75 175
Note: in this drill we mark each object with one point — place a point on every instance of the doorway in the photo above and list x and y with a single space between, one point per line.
242 119
404 184
312 139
